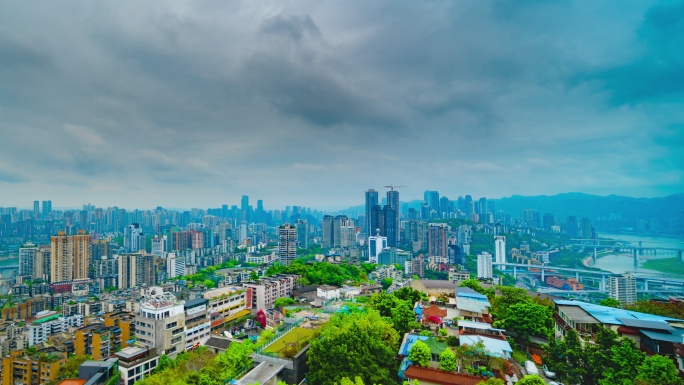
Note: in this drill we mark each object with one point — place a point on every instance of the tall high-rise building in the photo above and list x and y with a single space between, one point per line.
36 209
369 226
70 256
287 243
159 245
437 240
160 324
484 265
376 244
328 235
134 239
571 227
303 233
393 203
175 265
136 270
622 287
548 221
586 228
27 256
245 209
431 200
500 249
47 208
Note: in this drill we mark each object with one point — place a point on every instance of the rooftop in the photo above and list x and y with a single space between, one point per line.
264 372
609 315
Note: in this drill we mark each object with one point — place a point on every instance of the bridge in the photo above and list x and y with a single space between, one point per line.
624 245
643 280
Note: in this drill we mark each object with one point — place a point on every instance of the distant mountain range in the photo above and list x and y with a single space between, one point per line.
577 204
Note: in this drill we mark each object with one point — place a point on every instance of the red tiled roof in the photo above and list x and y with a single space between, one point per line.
436 376
434 310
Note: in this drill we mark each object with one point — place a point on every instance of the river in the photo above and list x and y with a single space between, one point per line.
624 262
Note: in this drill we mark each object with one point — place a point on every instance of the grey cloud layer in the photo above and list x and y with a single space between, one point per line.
194 104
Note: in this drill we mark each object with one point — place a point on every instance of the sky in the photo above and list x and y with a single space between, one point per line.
141 104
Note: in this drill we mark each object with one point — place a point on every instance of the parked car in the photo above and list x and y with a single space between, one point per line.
548 373
531 368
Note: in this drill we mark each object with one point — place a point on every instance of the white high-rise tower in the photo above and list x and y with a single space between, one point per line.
499 249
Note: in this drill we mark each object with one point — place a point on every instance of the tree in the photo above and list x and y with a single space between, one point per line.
491 381
283 301
410 294
625 358
208 283
386 283
447 360
253 276
404 318
346 381
611 302
508 296
531 379
420 354
70 369
657 370
526 319
359 343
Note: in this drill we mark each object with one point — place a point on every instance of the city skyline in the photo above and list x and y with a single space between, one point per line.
195 104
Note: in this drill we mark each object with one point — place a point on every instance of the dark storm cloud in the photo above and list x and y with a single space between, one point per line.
195 104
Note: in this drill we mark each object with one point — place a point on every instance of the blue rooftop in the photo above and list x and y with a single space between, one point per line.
611 316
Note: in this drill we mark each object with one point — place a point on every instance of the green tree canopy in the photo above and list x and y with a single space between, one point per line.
410 294
420 354
658 370
283 301
531 379
491 381
360 343
447 360
611 302
526 320
386 282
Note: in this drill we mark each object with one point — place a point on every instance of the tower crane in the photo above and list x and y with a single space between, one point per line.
394 187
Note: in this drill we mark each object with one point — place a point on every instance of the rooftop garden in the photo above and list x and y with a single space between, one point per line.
291 343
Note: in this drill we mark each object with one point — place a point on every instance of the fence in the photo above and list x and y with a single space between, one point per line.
279 334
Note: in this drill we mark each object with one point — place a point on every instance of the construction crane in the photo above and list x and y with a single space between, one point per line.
394 187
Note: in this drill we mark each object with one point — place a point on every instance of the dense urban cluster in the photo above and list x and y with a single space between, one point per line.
449 292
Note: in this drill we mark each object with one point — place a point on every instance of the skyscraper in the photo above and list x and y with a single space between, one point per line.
484 265
431 199
27 258
70 256
571 227
303 233
371 201
622 288
287 243
500 249
393 203
376 244
328 235
36 209
136 270
134 239
437 240
47 208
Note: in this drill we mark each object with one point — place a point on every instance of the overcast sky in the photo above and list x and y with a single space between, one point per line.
193 104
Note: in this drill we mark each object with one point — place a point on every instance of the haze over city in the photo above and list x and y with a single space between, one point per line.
193 104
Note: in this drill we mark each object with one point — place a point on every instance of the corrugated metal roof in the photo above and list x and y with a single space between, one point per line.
495 347
643 324
578 315
675 337
610 315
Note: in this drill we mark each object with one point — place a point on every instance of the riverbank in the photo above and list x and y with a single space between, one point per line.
665 265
